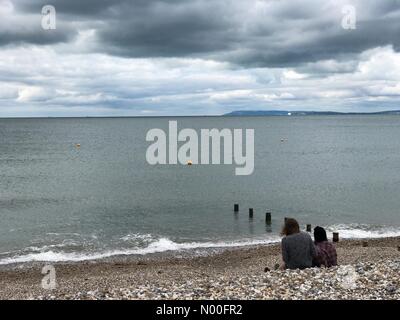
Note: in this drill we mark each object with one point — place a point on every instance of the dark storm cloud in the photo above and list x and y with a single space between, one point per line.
18 26
33 36
267 33
88 8
169 30
222 30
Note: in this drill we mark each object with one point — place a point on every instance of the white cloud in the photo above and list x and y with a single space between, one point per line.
29 94
44 79
381 63
293 75
6 7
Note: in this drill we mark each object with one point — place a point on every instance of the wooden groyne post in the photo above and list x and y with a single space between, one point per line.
251 211
268 218
308 228
236 207
335 237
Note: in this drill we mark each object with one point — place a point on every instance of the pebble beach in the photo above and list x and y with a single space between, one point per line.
368 269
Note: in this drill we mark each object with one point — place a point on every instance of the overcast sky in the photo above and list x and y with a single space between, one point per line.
194 57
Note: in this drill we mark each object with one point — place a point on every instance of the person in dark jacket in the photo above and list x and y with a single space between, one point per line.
298 250
326 251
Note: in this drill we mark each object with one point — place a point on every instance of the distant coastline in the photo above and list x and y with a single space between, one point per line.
237 113
304 113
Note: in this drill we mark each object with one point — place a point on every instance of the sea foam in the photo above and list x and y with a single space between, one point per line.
163 244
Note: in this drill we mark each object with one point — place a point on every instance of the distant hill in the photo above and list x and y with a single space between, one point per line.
304 113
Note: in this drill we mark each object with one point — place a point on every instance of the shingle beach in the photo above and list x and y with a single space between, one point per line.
369 271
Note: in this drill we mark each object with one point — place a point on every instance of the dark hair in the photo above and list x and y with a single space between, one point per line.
320 235
291 227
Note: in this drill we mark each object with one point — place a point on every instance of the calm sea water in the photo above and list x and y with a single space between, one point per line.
59 202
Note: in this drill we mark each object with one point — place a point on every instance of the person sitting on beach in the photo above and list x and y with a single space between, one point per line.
326 251
298 249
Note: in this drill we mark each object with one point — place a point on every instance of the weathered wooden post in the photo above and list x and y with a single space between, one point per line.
251 213
236 207
308 228
268 218
335 237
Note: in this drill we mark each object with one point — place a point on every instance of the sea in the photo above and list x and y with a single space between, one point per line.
75 189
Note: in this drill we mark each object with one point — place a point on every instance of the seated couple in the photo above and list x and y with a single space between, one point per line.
299 251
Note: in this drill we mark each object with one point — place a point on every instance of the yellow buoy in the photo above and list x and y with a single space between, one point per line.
78 145
189 163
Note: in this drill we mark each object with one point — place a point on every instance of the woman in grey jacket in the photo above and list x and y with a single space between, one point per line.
298 248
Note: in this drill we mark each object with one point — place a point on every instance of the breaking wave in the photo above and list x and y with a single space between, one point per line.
54 253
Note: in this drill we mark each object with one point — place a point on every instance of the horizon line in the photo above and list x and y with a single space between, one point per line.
229 114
